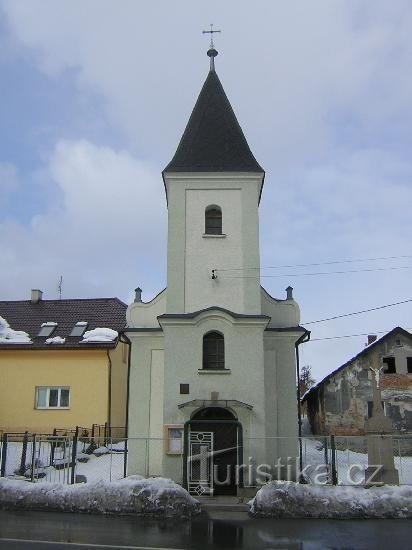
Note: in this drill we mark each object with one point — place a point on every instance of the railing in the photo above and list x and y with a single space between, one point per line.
75 457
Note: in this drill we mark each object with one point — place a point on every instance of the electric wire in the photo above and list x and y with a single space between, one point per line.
347 261
314 273
371 332
357 312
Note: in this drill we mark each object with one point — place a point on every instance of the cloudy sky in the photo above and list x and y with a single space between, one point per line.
95 95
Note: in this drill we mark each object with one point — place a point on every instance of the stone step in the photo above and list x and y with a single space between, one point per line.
224 504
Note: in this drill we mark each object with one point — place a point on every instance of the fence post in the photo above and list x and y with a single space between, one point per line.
33 457
74 453
53 447
125 458
3 456
22 468
333 450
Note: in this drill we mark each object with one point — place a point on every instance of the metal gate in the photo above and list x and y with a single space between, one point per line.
200 463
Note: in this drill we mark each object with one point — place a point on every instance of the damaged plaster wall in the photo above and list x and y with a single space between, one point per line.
339 405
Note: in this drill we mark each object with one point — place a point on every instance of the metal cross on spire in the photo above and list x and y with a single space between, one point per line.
211 32
211 52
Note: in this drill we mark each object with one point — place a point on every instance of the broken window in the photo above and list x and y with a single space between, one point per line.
370 408
389 365
409 364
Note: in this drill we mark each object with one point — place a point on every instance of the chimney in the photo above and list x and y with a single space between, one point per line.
289 293
36 295
371 339
138 294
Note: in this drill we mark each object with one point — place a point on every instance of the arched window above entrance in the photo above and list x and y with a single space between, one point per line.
213 220
213 351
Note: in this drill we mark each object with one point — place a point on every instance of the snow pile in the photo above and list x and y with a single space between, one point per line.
10 336
292 500
49 324
55 340
146 497
100 334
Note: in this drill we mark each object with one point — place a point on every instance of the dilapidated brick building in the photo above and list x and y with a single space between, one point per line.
342 402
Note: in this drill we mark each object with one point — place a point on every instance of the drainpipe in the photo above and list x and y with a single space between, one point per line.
125 340
305 337
109 401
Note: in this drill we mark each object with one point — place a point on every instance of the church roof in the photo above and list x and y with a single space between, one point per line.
213 140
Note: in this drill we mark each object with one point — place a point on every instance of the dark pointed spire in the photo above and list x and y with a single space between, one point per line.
213 140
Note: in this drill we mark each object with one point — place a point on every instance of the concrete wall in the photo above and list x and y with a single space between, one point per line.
85 372
144 315
146 403
243 380
280 396
192 256
119 357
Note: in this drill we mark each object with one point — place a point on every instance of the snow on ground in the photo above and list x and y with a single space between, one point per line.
105 466
347 462
10 336
144 497
100 334
292 500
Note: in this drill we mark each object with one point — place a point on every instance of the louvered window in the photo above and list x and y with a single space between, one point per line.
213 220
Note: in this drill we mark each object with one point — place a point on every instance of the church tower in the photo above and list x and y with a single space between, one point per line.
212 380
213 186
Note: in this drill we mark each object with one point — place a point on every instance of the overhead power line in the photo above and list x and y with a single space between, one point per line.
314 273
357 312
348 261
373 332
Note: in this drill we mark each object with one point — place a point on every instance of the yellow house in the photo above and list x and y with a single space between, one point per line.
62 364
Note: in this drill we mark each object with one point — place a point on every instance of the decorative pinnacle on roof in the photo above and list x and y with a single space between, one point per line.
211 52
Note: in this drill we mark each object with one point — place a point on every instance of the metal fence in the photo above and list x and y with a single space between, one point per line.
77 457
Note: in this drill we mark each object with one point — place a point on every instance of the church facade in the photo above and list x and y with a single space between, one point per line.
212 388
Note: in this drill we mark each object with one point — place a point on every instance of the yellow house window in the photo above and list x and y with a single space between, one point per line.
174 439
52 397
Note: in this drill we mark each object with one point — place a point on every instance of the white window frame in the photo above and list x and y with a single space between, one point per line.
48 388
171 443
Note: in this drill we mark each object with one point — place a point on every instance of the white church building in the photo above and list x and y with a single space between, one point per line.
212 384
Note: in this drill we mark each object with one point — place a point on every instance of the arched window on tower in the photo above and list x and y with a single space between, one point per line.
213 351
213 220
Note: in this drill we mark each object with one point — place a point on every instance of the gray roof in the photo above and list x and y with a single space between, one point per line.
98 312
213 140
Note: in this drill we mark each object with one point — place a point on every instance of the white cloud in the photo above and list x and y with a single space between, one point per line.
299 65
9 183
100 239
322 90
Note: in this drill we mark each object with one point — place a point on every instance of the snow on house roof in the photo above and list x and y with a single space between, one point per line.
28 317
11 336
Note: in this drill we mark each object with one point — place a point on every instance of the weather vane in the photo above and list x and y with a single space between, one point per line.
211 32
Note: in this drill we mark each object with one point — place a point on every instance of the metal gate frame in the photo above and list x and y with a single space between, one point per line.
186 455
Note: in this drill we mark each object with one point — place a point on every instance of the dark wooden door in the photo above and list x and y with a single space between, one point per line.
225 454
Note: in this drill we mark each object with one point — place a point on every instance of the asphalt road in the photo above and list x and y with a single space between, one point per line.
63 531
